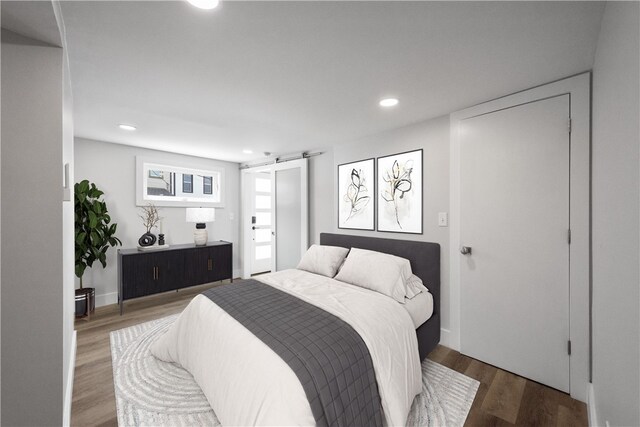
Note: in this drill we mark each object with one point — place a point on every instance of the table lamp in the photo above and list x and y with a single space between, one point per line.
201 216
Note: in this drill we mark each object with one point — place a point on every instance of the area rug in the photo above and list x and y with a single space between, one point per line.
150 392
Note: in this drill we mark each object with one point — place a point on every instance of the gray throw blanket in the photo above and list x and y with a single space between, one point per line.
329 357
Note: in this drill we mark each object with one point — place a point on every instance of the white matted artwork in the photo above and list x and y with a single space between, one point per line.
400 192
356 195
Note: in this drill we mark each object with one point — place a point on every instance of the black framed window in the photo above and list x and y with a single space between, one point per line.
187 183
207 185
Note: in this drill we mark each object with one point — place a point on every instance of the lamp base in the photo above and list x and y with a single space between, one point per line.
200 237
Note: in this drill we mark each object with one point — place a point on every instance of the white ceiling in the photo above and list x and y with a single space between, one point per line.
291 76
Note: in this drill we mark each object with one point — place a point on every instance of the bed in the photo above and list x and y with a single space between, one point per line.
425 263
248 380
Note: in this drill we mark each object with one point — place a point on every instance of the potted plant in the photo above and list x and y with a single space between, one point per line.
94 234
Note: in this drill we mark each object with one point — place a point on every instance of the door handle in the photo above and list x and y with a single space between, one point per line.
465 250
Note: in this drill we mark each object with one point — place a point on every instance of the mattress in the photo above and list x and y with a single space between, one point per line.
420 308
247 383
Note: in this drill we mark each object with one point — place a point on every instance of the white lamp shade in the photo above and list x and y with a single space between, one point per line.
201 215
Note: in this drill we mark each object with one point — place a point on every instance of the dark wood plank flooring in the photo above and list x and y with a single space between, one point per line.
503 399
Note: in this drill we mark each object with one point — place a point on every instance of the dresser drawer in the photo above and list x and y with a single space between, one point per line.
148 273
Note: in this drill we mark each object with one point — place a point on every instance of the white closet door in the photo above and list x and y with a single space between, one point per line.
291 213
515 218
288 218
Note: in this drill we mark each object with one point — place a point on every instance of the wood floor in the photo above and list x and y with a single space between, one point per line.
503 399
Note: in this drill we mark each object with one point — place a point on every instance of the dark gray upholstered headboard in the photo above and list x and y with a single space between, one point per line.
424 256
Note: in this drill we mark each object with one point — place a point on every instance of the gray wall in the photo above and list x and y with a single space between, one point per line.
433 137
32 215
322 206
615 143
112 167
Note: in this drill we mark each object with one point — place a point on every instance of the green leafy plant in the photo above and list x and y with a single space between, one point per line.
94 233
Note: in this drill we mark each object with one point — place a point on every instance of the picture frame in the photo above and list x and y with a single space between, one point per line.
400 192
357 195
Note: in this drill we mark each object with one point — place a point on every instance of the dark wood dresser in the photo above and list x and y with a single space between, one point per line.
142 273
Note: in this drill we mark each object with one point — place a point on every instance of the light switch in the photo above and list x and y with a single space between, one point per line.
443 219
232 216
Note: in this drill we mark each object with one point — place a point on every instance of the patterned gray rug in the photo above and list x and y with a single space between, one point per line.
150 392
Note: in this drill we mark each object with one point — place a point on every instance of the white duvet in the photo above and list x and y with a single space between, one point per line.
246 383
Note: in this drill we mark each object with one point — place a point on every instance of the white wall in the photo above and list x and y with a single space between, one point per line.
433 137
112 167
615 199
68 230
68 248
32 217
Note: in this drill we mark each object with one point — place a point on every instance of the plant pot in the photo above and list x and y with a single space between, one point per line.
85 302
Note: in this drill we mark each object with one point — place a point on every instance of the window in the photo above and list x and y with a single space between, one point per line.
207 185
187 183
161 183
193 184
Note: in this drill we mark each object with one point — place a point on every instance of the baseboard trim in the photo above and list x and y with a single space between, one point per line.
106 299
591 406
445 337
68 396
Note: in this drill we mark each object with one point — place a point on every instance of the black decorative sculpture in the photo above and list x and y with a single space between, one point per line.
147 239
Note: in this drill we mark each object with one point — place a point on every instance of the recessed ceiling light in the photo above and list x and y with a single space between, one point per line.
127 127
388 102
205 4
247 151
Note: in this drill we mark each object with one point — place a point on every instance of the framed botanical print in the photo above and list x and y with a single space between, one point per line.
400 192
356 195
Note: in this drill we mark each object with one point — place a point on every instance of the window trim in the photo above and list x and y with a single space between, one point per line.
199 167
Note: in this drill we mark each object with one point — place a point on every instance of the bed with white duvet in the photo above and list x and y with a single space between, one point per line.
247 383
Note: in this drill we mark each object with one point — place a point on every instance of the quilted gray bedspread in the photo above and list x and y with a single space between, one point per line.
329 357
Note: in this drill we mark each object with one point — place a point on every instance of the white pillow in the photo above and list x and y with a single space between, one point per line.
415 286
379 272
323 260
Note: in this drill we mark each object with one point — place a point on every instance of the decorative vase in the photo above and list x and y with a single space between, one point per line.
147 239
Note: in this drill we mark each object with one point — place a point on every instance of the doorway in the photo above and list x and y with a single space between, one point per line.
514 223
275 216
486 272
262 231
